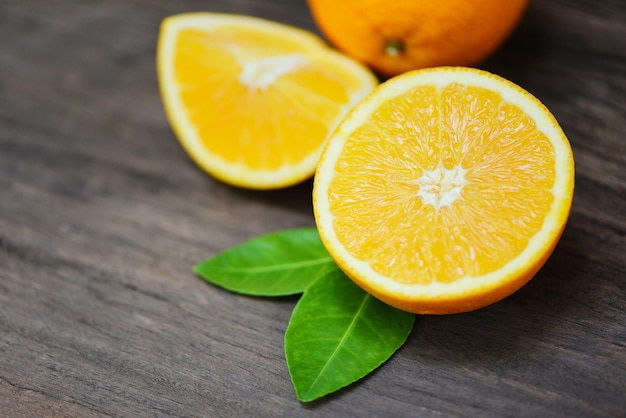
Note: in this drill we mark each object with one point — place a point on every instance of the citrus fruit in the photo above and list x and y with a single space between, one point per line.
397 36
444 190
252 101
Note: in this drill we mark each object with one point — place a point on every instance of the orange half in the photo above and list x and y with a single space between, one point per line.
252 101
445 190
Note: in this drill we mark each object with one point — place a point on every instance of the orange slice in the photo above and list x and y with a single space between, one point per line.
253 101
445 190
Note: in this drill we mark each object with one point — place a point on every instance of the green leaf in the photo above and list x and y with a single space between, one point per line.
277 264
338 334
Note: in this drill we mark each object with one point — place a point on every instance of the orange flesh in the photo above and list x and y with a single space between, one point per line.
234 119
443 184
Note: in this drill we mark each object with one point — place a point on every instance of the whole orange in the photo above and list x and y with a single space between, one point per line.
394 36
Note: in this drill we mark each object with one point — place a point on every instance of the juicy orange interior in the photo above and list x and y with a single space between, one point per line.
442 183
233 82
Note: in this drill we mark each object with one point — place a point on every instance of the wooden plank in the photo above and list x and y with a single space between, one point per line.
102 216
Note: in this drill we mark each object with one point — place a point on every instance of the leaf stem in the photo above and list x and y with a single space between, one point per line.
394 47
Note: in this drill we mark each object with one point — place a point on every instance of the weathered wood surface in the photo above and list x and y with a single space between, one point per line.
102 216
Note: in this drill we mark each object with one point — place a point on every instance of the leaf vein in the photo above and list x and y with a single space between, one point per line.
343 339
284 266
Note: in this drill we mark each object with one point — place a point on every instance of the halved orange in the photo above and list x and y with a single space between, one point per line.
252 101
445 190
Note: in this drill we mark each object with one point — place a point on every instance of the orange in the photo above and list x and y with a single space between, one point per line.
252 101
445 190
401 35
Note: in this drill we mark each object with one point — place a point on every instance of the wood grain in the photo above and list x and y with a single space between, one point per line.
102 216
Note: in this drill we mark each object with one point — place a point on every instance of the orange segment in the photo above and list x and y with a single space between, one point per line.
252 101
445 190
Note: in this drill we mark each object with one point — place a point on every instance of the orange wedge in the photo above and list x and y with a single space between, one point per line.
253 101
445 190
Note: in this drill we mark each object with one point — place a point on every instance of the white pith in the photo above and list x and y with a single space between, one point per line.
262 73
441 186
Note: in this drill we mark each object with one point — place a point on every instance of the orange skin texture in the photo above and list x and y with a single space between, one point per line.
433 32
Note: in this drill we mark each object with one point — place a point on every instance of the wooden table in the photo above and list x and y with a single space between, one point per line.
102 215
